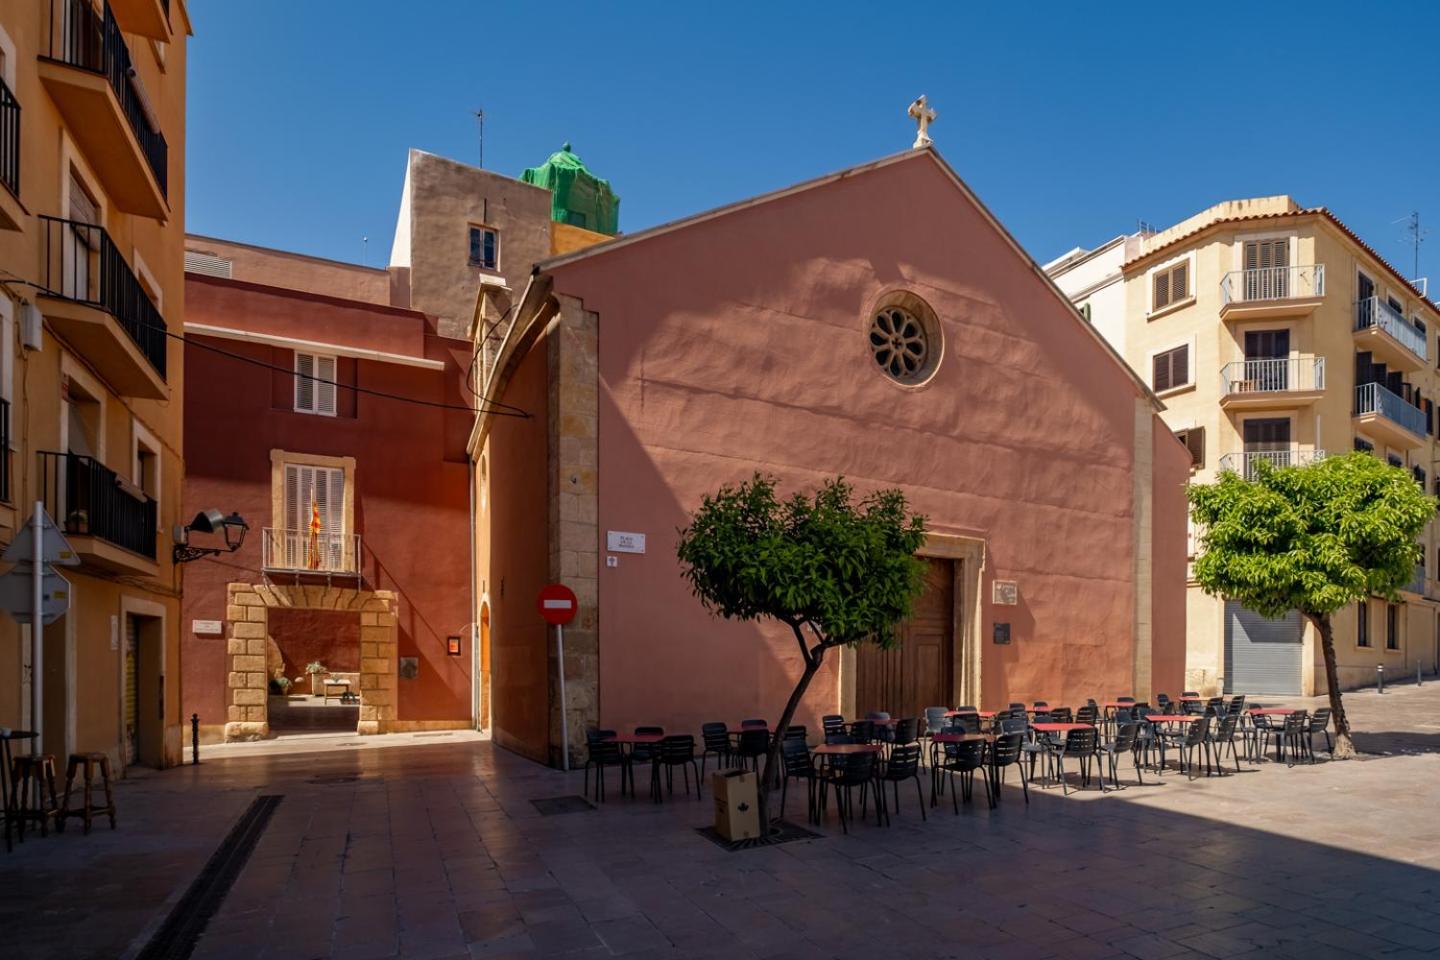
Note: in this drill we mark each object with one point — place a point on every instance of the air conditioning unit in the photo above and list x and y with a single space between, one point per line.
30 323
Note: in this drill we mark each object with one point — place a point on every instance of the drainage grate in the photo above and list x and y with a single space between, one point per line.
177 936
784 832
554 806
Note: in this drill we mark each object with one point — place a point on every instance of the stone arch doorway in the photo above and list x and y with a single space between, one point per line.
247 614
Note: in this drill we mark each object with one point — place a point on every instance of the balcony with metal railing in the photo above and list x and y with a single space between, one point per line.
110 523
1245 463
12 214
89 75
301 552
1394 340
92 299
1271 291
1385 415
1281 382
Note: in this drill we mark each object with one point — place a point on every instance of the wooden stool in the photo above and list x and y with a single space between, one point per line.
32 774
90 762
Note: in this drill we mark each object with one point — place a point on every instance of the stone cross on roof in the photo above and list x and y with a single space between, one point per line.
924 116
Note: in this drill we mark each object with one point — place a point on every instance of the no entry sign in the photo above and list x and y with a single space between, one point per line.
557 604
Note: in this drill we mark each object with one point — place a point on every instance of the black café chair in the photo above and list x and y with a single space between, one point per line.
601 753
1223 735
834 726
862 731
1296 735
799 765
1127 737
965 758
1195 736
1319 723
1005 752
846 772
676 750
715 738
1079 744
903 764
752 746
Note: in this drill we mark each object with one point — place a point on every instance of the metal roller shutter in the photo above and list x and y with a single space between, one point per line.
1262 656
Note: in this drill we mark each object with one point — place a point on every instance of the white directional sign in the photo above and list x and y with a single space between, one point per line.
57 549
17 592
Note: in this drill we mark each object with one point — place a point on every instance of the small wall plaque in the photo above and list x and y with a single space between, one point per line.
409 668
620 541
1002 634
452 646
207 628
1005 593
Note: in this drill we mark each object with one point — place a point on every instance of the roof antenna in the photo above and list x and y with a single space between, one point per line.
365 251
480 119
1417 237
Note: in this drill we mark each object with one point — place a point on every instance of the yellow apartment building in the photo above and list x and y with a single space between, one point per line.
1272 332
92 188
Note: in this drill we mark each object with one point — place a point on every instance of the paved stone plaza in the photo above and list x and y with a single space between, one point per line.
434 849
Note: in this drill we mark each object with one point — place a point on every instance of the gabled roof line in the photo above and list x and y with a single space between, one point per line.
720 211
599 249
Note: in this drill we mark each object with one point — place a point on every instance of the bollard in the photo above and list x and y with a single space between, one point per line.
1380 677
194 738
1419 681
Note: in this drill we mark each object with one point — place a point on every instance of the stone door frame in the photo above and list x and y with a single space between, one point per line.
247 615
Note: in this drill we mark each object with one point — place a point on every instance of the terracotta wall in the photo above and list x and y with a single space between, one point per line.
296 271
304 636
517 517
713 367
411 484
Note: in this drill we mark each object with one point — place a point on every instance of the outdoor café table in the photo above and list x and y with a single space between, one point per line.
630 740
7 785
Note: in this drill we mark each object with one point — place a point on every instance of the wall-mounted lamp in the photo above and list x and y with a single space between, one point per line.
233 528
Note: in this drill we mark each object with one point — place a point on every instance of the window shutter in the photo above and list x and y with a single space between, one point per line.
325 391
1180 281
1280 253
1160 375
304 384
1195 442
1162 291
336 521
1180 365
1252 255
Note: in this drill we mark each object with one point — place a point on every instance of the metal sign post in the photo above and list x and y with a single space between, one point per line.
558 605
564 719
34 593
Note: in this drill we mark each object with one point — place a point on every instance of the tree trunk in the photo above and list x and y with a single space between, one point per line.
1344 746
772 759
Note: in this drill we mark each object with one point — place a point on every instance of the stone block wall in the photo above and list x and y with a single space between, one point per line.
246 686
574 516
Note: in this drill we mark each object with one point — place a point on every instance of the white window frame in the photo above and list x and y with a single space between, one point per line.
1192 280
1190 367
143 440
483 228
318 387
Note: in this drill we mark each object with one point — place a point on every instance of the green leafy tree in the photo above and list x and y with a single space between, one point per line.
832 570
1314 539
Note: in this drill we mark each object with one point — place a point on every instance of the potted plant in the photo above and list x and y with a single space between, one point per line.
315 669
280 685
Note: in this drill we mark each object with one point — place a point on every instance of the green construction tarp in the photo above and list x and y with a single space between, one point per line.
577 196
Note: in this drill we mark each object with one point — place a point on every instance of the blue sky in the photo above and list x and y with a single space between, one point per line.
1070 120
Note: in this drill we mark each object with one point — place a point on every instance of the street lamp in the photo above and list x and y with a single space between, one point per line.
233 528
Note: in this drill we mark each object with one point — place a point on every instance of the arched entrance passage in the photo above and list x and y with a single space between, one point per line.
247 614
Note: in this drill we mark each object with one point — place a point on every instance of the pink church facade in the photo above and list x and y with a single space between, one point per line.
662 365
